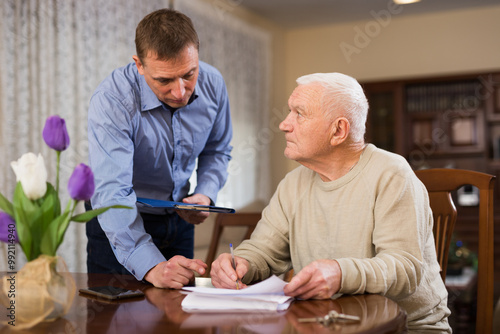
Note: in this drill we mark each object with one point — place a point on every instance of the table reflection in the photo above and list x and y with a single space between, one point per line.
373 311
160 311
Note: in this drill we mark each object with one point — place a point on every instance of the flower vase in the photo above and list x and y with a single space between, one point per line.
42 290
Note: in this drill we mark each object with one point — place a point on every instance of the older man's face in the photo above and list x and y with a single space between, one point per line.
307 131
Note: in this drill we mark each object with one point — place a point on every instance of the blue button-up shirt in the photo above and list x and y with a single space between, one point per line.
139 147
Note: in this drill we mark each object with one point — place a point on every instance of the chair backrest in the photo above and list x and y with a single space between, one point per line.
222 220
440 182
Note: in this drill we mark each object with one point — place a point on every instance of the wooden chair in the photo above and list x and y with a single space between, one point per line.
440 183
222 220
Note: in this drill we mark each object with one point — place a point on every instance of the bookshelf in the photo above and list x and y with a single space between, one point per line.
448 116
451 121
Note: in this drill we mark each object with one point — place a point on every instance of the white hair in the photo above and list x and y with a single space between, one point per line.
343 96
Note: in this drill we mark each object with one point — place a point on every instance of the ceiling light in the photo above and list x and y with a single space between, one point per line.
405 2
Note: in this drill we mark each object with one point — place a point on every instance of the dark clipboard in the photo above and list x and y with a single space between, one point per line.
156 203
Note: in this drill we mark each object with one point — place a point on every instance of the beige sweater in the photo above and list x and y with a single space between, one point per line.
375 221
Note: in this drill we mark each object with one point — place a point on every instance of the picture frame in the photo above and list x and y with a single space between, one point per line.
463 131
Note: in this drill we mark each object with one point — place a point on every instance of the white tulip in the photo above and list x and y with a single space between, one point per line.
30 171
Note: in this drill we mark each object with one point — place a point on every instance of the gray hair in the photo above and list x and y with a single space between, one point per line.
344 95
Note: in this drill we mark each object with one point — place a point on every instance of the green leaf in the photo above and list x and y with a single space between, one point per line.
25 238
51 210
6 206
27 216
88 215
53 200
23 205
49 240
61 229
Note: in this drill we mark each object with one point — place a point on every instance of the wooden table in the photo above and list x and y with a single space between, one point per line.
160 312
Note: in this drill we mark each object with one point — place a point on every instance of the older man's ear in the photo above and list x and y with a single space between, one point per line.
339 131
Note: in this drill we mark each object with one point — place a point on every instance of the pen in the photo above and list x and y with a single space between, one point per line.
234 264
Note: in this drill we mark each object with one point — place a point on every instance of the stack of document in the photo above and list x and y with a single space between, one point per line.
265 296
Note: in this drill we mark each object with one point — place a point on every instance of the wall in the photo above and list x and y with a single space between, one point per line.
399 46
388 46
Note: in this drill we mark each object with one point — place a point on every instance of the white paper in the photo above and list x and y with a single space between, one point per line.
267 295
210 303
272 285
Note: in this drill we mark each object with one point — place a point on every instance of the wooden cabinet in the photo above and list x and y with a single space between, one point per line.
449 121
385 117
447 117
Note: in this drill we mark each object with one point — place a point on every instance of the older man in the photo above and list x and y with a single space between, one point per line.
352 219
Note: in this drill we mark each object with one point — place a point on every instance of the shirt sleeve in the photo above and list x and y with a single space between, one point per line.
214 159
268 250
111 151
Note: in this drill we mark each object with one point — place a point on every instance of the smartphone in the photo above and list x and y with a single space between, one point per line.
111 292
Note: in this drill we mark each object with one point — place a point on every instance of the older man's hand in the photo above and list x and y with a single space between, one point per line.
223 274
319 280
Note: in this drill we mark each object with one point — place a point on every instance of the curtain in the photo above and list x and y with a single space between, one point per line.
242 54
53 54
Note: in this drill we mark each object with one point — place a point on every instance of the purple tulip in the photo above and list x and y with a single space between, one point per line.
81 183
8 231
55 133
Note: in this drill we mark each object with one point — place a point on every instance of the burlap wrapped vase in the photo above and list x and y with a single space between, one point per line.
42 290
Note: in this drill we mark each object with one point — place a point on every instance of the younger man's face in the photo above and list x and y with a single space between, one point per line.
173 81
